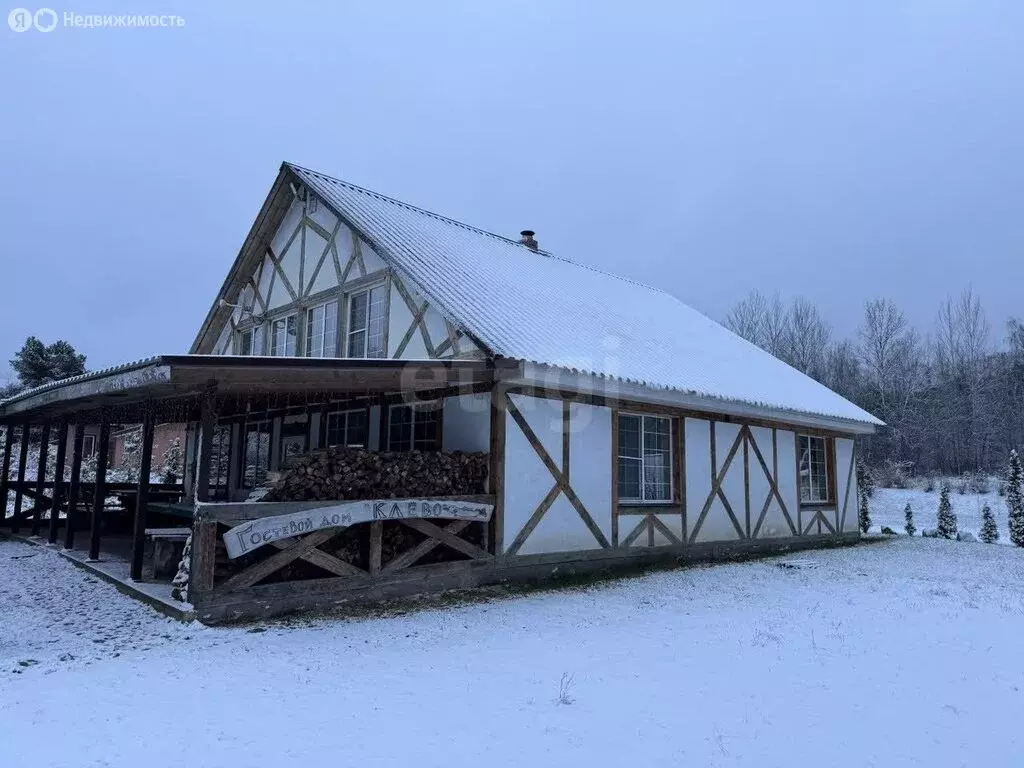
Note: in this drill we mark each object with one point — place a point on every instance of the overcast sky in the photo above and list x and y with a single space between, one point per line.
838 150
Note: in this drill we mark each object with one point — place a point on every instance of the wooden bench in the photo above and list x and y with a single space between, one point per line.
164 547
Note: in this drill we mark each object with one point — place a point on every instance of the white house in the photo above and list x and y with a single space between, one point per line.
619 421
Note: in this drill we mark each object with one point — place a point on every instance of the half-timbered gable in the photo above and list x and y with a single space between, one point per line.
310 283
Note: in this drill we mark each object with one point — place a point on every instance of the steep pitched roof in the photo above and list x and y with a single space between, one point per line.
542 308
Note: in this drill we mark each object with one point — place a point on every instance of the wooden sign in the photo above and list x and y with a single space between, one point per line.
253 534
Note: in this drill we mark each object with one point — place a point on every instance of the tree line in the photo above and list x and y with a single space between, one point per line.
952 398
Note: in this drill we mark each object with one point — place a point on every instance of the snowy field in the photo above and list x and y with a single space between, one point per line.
905 652
887 507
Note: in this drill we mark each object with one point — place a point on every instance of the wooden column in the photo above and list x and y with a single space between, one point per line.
58 481
142 496
44 452
19 490
100 487
207 423
5 468
204 550
496 475
74 487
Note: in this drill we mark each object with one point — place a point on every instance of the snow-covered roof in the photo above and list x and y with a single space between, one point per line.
542 308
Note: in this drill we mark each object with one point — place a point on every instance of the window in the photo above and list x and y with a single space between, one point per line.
645 458
283 333
220 457
322 330
366 323
348 428
88 445
250 341
814 474
414 427
257 453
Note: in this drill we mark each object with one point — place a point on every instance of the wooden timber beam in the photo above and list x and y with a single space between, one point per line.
58 481
100 489
44 450
142 495
5 469
19 490
74 487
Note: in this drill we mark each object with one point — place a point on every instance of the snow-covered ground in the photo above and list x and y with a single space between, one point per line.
888 504
905 652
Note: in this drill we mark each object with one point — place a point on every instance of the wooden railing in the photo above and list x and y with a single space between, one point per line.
217 580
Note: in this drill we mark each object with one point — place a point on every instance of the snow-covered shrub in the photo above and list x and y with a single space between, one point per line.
965 536
179 585
989 531
908 515
866 488
980 483
1015 499
173 462
131 455
946 527
888 531
963 484
930 484
893 474
930 533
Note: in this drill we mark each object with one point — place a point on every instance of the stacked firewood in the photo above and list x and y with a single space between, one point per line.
355 473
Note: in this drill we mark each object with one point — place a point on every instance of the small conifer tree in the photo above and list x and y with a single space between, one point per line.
989 531
908 514
866 487
1015 499
946 528
174 460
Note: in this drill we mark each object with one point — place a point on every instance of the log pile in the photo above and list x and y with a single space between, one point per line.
346 474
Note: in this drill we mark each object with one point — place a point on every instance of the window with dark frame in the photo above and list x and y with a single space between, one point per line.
348 428
414 427
645 459
220 457
257 453
283 336
250 341
322 330
365 327
815 487
88 445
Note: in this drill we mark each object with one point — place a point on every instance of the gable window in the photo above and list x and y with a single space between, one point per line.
322 330
365 327
815 484
645 458
414 427
283 335
348 428
250 341
257 453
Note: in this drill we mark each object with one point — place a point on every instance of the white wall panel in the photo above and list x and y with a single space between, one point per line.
545 418
323 216
467 423
590 458
527 480
846 485
697 434
371 259
787 471
292 219
315 246
435 327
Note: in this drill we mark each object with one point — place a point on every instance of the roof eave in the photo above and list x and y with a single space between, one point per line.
540 375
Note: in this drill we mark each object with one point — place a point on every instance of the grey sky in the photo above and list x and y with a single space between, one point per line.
837 150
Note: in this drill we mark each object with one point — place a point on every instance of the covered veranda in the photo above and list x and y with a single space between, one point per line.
218 398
